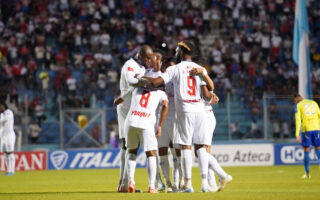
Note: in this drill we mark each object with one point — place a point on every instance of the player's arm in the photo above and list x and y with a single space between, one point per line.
121 98
163 114
203 72
206 94
298 122
163 78
214 99
156 82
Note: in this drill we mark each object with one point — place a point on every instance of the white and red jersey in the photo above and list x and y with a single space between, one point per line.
187 89
6 124
128 72
144 103
170 94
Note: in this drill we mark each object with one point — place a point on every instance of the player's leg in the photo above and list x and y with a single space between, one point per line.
306 143
150 146
163 143
152 169
123 180
176 170
201 140
132 145
184 127
10 158
159 183
203 165
211 175
316 139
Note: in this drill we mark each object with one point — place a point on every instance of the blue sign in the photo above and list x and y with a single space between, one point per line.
89 159
292 154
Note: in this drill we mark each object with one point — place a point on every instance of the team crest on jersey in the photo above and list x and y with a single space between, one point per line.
130 69
59 159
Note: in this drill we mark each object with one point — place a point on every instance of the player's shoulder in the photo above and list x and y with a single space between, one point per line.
8 112
130 64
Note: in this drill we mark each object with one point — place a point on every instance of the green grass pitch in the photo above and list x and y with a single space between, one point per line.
276 182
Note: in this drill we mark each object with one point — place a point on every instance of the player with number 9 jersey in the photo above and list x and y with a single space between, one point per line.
187 89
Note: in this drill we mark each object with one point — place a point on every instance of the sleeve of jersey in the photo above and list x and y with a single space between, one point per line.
164 96
298 119
130 74
168 75
318 111
203 82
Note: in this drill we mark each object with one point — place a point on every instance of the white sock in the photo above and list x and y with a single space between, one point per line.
213 164
131 166
152 168
203 165
165 168
12 162
176 168
8 163
186 158
122 164
158 175
211 178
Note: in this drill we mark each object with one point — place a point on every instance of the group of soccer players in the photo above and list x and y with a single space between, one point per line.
157 110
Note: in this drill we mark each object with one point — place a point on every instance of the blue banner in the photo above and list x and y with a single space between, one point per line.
89 159
292 154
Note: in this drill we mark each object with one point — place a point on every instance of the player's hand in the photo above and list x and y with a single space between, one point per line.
215 99
298 139
118 100
196 71
159 131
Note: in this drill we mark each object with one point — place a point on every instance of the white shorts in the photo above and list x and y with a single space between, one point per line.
146 138
167 134
186 125
122 115
7 143
204 135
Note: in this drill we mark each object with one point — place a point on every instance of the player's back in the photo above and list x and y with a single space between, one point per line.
144 103
187 89
310 115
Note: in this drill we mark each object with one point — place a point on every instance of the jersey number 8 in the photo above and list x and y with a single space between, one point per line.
144 98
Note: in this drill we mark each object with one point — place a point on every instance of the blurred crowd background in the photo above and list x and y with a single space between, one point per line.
76 48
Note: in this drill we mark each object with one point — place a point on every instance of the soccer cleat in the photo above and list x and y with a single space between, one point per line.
188 190
121 189
161 187
214 188
306 176
131 188
205 188
150 190
224 182
137 191
175 188
169 189
8 174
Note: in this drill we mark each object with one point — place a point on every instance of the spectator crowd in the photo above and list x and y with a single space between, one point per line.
76 48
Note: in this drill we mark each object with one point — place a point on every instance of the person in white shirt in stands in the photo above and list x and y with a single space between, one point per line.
8 137
140 128
189 116
127 83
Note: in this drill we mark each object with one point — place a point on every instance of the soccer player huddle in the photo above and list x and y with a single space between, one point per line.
170 109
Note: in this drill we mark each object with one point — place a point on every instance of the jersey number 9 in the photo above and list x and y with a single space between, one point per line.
191 85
